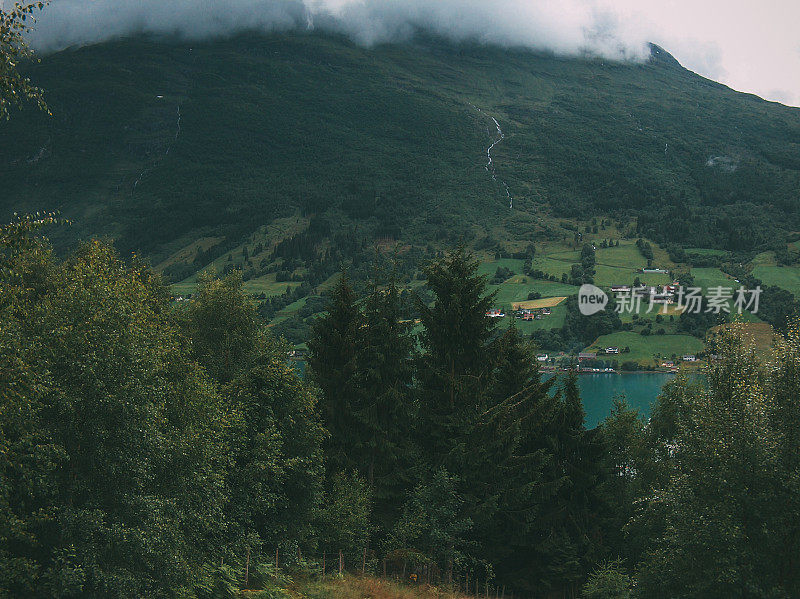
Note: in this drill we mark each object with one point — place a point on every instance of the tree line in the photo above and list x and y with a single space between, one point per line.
168 449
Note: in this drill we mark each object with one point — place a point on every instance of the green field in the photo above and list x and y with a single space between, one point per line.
554 266
510 292
711 277
707 252
644 348
785 277
489 267
554 321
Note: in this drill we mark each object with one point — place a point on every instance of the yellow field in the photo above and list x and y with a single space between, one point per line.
545 302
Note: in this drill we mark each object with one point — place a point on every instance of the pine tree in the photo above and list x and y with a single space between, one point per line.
624 449
509 486
384 410
455 368
333 359
570 523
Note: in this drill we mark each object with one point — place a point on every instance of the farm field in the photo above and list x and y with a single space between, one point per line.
644 348
554 320
711 277
490 266
547 302
785 277
606 276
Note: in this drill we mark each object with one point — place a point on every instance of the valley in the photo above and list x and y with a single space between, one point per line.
252 155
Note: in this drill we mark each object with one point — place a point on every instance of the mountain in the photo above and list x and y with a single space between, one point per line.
173 146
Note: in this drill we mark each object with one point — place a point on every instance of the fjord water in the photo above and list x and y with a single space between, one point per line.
599 390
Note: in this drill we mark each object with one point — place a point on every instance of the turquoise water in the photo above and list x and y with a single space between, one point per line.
599 390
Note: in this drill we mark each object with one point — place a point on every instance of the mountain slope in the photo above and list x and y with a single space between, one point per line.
159 143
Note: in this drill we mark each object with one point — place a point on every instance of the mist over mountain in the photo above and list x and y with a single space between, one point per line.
571 27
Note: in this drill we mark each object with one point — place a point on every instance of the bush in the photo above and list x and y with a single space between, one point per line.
608 581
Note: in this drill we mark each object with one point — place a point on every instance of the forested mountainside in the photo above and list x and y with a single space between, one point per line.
159 143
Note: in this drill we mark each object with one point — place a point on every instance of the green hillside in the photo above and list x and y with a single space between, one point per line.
160 143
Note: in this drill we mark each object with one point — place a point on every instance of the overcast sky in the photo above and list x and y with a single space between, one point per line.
750 45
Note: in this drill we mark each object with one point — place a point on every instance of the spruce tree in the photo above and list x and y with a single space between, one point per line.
510 482
385 410
333 359
455 368
569 526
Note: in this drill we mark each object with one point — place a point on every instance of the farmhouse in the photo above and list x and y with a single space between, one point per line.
689 358
495 313
612 350
542 357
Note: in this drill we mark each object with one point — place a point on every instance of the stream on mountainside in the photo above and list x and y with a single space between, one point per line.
490 164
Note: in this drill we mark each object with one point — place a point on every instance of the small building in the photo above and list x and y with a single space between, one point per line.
669 364
542 357
586 355
689 358
620 289
612 350
545 311
495 313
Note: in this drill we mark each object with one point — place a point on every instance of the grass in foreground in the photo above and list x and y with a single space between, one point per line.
362 587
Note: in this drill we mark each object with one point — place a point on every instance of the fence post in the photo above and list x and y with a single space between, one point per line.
384 567
364 562
341 562
323 564
247 567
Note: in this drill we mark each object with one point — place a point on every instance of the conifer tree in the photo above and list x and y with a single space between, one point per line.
570 523
456 365
333 359
385 410
512 440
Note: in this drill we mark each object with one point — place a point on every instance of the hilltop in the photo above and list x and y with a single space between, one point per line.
159 143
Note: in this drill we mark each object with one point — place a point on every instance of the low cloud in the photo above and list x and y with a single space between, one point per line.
749 46
569 27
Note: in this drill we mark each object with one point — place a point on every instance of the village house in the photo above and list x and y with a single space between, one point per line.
495 313
689 358
586 355
612 350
